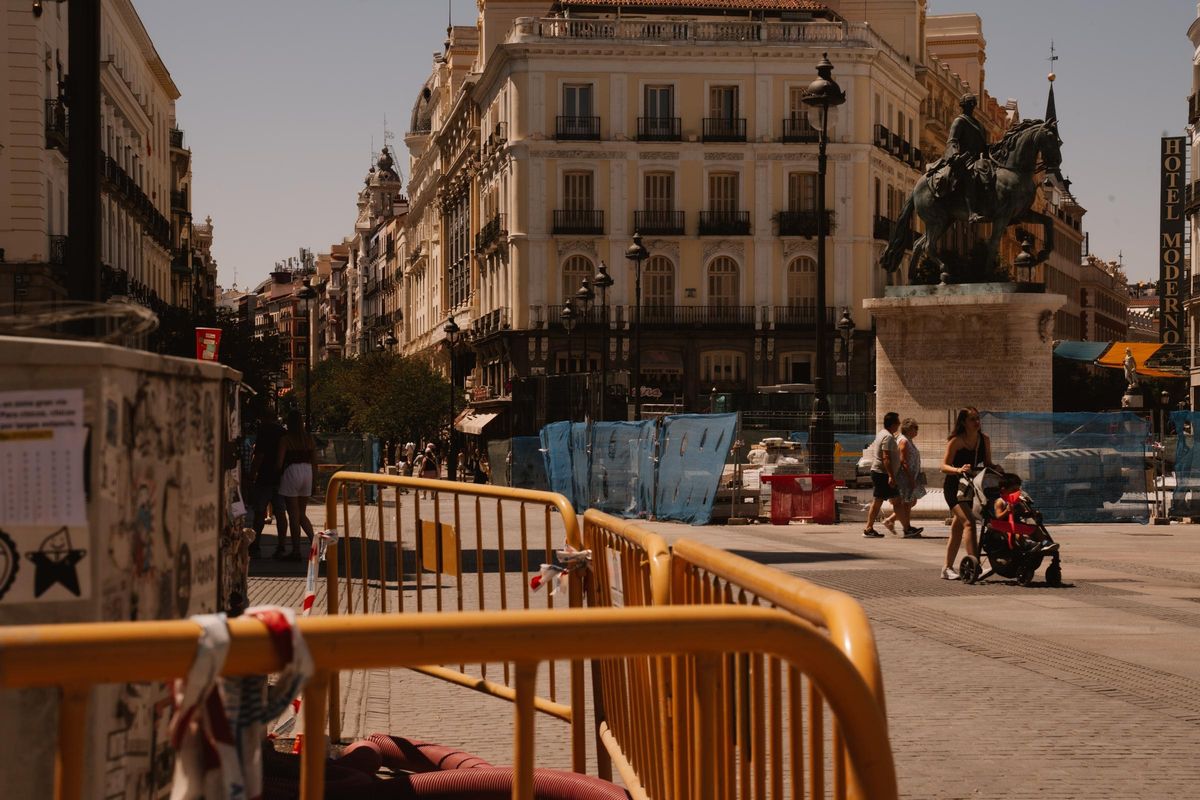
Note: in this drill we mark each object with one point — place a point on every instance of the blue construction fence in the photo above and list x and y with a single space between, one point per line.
1185 496
1076 467
668 468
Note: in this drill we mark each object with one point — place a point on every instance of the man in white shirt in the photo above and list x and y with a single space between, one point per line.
885 460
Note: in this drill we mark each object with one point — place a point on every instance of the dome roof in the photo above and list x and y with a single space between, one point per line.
422 111
387 170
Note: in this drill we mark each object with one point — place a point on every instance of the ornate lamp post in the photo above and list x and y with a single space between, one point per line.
845 327
569 318
584 298
602 281
637 254
307 293
452 332
823 93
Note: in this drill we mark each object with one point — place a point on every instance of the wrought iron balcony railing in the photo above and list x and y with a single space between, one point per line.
177 138
800 316
799 130
656 316
724 223
56 126
58 250
577 129
660 223
490 234
803 223
585 222
724 129
659 129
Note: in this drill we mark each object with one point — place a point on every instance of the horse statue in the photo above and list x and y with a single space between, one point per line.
1027 148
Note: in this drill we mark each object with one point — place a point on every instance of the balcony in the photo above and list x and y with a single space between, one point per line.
177 138
492 322
795 317
57 251
659 223
724 129
1193 108
659 129
695 316
724 223
179 200
496 139
56 126
593 317
883 228
798 130
416 253
489 237
589 223
803 223
1191 198
577 129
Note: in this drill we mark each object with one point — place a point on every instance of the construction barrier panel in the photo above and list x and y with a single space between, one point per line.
431 545
693 641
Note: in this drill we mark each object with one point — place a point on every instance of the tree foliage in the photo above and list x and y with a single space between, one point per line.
259 360
384 394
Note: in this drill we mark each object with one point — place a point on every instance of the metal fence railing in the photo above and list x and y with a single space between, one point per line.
399 552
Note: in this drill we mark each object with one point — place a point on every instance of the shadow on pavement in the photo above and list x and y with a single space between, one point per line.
796 556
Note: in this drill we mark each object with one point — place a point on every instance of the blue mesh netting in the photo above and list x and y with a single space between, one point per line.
1185 499
1077 467
612 465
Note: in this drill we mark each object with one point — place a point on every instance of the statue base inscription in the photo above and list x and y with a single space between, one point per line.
939 348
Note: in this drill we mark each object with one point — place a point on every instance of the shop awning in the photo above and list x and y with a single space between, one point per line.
1114 358
474 422
1082 351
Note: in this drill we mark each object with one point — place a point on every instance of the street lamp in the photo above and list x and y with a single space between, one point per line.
845 327
387 342
569 318
637 254
823 93
585 296
452 331
307 293
602 281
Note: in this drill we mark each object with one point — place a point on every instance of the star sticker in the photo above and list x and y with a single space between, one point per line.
56 563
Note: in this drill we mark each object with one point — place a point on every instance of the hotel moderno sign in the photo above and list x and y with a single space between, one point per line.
1170 243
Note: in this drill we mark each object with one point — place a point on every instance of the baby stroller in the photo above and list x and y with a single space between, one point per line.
1008 554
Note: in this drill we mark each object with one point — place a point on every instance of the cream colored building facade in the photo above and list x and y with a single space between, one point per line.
558 137
1192 212
144 174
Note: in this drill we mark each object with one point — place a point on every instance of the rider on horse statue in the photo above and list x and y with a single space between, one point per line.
965 165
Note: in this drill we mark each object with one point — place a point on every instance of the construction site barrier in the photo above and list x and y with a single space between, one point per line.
633 705
410 541
700 645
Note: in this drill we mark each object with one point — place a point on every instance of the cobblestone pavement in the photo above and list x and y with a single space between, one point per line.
1091 690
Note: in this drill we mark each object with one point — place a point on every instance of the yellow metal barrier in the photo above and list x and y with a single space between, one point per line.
697 641
761 704
451 545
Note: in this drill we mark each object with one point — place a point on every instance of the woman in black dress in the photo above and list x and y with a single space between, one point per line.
967 449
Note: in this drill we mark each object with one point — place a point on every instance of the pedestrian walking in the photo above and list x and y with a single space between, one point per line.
428 467
264 476
885 460
968 448
910 481
297 460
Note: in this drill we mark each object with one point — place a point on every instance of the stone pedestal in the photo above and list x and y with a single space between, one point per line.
939 348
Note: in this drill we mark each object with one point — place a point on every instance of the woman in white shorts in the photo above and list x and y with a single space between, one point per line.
298 470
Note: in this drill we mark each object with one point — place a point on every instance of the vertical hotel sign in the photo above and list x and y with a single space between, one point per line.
1170 241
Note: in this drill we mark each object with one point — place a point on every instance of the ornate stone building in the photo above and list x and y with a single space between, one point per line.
530 169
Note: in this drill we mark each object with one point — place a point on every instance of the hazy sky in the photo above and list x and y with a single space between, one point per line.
284 99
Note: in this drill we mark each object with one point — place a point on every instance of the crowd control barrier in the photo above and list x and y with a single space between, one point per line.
774 719
391 544
694 641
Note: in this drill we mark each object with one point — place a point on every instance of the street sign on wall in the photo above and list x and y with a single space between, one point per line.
1170 242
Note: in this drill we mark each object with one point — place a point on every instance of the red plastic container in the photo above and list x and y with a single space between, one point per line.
805 497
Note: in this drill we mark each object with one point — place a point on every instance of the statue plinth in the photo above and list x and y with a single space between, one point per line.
939 348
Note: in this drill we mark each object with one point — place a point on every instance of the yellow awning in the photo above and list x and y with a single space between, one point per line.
1115 358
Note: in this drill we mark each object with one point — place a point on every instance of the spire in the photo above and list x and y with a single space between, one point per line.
1051 112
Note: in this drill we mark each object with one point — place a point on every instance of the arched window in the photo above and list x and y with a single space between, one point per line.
574 271
723 282
802 283
658 282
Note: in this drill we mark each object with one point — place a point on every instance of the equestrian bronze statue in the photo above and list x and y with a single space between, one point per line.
976 183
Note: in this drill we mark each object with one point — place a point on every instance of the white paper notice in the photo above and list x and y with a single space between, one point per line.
42 442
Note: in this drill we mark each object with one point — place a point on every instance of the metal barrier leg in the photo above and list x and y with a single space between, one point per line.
72 730
331 608
523 725
312 767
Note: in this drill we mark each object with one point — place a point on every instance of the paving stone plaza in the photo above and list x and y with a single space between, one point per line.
993 691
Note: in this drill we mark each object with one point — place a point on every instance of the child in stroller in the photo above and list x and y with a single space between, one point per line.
1013 538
